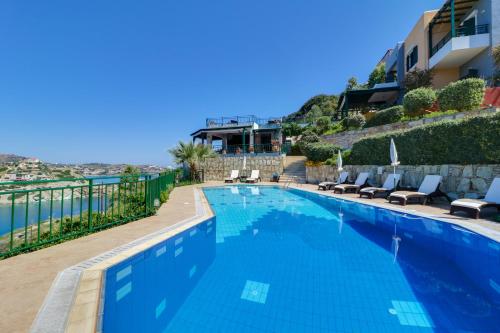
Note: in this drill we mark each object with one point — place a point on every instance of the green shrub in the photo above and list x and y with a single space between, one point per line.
386 116
353 121
319 151
463 95
466 141
323 124
418 100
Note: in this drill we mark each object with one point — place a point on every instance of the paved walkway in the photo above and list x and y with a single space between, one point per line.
26 279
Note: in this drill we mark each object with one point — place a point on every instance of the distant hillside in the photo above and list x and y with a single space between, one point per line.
324 104
10 158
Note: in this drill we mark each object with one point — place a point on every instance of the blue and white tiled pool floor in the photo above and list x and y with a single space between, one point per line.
286 261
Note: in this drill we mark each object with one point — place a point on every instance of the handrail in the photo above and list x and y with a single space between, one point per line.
252 149
460 32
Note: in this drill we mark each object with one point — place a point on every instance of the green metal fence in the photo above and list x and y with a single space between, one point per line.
36 213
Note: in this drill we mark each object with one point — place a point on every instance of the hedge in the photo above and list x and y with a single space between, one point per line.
417 101
386 116
463 95
466 141
319 151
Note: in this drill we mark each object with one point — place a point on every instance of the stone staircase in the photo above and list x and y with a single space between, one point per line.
294 170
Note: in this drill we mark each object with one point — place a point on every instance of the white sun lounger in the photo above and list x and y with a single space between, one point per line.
474 206
390 184
328 185
254 177
360 181
429 187
233 177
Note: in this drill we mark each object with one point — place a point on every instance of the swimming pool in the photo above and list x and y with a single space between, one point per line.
285 260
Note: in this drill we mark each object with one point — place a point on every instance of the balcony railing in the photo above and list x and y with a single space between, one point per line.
243 121
461 32
253 149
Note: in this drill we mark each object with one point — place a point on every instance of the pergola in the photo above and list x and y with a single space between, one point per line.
450 13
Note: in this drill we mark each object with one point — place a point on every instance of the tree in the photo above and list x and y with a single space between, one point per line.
419 78
313 114
352 83
496 55
130 174
191 154
292 129
377 75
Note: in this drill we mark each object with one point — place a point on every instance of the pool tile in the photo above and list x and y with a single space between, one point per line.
255 291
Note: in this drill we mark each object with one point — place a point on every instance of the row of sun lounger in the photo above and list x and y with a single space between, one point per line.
428 189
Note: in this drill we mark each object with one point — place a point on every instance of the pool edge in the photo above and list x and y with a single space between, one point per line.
74 302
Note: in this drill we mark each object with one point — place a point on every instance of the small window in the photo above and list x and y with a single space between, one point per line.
412 58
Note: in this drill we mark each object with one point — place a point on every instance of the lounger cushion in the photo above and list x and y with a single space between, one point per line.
471 203
430 184
373 189
408 194
346 186
493 194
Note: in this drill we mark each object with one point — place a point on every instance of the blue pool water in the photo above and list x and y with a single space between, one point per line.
277 260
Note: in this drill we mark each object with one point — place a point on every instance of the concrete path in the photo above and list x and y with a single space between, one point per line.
26 279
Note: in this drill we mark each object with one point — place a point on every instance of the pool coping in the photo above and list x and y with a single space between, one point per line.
74 302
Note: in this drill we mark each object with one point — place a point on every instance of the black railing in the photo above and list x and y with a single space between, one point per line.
460 32
253 149
242 121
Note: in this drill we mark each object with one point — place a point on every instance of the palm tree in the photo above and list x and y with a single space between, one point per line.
190 154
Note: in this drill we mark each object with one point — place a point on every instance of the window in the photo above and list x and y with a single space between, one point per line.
412 58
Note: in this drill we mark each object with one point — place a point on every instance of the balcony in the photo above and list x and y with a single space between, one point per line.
243 121
455 51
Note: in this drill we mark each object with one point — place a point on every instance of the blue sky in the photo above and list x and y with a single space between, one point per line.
123 81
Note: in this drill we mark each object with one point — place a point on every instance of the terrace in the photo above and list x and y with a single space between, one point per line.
242 134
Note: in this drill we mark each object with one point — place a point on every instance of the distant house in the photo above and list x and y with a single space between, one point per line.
249 134
10 177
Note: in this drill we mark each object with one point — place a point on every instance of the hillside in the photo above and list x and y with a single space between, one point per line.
10 158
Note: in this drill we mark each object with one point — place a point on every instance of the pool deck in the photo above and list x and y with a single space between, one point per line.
26 279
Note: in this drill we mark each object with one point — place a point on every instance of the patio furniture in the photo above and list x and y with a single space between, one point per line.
232 178
360 181
254 177
328 185
275 178
474 206
390 184
427 190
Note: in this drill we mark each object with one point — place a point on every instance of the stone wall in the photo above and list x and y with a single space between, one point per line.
219 167
346 139
459 181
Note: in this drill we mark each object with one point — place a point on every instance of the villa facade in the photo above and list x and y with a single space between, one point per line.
454 41
241 134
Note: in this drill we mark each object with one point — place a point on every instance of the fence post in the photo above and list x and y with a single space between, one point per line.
146 194
91 189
